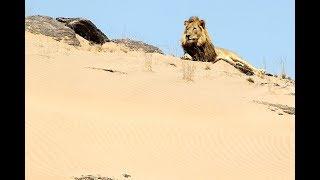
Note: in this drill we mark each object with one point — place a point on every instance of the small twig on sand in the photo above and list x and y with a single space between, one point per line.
108 70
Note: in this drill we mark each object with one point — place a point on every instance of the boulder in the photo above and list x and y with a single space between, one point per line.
85 28
138 45
48 26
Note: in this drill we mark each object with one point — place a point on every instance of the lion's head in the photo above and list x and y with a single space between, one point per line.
196 41
195 32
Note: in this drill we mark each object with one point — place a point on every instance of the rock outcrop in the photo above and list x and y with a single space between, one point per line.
48 26
85 28
66 29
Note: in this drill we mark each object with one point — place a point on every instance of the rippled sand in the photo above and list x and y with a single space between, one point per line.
152 125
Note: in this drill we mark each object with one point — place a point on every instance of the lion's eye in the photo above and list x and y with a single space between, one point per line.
194 28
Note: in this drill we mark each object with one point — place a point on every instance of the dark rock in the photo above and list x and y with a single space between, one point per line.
136 45
126 175
85 28
50 27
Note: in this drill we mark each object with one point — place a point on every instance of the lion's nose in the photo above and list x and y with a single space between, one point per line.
188 36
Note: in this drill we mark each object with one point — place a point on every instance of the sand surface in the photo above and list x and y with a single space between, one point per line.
152 125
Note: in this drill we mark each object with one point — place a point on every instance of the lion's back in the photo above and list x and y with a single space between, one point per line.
222 52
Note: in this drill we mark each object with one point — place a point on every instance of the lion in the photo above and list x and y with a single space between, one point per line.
197 46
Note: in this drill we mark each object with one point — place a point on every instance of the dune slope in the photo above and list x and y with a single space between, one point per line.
101 111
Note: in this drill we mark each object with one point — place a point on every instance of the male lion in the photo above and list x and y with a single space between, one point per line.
197 46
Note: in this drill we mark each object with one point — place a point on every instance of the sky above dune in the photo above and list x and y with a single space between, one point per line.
260 31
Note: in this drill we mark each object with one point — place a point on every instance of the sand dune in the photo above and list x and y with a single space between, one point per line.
149 124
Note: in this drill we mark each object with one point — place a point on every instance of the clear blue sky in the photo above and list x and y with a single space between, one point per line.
255 29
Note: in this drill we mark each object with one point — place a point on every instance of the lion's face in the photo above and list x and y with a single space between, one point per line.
194 32
196 41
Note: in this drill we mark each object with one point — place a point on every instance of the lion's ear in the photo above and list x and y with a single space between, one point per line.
186 22
202 23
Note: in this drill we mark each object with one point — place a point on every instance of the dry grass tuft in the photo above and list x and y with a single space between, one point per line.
148 62
283 74
207 67
188 71
113 47
97 47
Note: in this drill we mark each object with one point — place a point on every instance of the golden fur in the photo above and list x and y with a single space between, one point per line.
197 45
196 41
